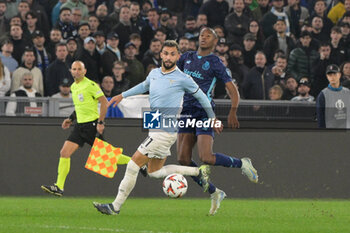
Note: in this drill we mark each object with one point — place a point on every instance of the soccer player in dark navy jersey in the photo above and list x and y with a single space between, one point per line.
206 69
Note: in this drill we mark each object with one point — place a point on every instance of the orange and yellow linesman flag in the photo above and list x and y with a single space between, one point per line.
103 158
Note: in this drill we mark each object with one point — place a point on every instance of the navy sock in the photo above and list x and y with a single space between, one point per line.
212 187
227 161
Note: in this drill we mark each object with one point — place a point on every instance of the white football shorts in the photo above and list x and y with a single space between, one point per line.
157 144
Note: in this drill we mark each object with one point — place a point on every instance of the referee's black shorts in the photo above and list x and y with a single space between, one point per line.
84 133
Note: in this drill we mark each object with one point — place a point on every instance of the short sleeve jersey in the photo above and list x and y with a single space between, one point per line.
205 71
85 96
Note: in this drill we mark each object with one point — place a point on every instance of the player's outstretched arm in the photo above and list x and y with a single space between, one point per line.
115 100
136 90
234 96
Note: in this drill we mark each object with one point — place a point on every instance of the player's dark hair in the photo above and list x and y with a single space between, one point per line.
172 44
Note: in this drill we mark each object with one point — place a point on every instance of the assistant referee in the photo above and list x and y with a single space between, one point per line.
86 95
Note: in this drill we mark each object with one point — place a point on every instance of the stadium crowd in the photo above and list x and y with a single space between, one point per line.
273 49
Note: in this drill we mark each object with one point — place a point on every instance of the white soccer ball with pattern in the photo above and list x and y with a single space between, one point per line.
175 185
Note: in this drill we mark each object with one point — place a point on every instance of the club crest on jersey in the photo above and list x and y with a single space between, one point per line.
206 66
81 97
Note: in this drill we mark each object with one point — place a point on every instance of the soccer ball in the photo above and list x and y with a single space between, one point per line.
175 185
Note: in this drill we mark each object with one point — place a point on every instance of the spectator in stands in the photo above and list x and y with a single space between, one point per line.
270 18
83 33
211 9
23 8
55 38
317 30
58 71
105 22
43 21
16 20
191 30
249 49
6 56
3 20
220 31
148 31
255 29
291 88
261 10
114 14
72 47
92 59
64 24
259 80
275 92
25 90
345 70
297 15
30 25
320 10
279 70
19 42
124 27
5 80
236 65
319 68
339 51
134 69
192 46
70 4
236 23
111 54
65 108
221 48
91 5
56 11
345 31
160 34
136 21
337 11
11 8
279 40
201 20
301 59
166 24
107 86
135 38
120 82
77 16
100 38
28 67
304 91
183 44
42 56
152 56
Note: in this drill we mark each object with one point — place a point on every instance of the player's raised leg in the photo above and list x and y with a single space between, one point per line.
205 144
63 169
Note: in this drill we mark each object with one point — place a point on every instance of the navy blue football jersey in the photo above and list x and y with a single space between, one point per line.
205 71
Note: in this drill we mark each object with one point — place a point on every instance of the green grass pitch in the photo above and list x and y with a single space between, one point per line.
50 215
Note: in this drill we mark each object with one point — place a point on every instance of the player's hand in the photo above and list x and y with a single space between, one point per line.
100 128
232 120
116 100
66 123
218 126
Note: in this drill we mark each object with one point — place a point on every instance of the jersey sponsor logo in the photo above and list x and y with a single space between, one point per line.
80 97
194 74
206 66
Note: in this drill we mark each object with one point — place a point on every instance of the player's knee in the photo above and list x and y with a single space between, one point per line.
64 153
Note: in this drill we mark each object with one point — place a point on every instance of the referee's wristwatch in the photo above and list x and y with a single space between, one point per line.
101 122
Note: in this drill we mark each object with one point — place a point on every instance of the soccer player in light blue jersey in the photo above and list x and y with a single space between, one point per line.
167 86
206 68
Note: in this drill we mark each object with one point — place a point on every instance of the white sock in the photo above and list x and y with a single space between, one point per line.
127 184
170 169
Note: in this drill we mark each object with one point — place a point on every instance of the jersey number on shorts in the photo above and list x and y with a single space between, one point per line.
147 141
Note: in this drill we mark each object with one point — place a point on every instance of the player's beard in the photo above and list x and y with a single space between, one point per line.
168 67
